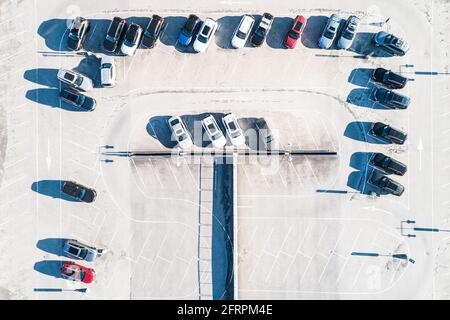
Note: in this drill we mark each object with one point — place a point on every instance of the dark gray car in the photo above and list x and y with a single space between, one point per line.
387 164
385 184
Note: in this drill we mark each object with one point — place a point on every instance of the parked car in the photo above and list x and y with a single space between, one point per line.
242 32
107 71
180 133
75 79
388 133
385 184
77 99
153 31
294 34
189 30
389 79
330 31
114 34
213 131
391 43
387 164
265 136
76 272
132 39
233 130
348 34
77 250
78 191
78 32
205 35
262 30
391 98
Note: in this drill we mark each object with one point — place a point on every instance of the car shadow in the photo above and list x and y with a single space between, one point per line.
158 128
227 26
43 76
277 33
365 97
51 188
90 67
313 31
361 77
50 97
248 125
363 43
360 160
52 245
173 27
49 267
359 131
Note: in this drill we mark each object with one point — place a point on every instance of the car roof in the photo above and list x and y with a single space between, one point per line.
246 22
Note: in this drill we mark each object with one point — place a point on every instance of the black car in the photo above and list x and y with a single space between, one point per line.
386 132
385 184
187 34
390 43
391 98
78 99
114 34
78 32
153 31
389 79
387 164
78 192
262 29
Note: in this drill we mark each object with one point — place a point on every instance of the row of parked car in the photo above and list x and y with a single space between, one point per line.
388 81
128 37
233 131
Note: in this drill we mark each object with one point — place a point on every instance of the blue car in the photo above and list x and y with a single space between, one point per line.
189 30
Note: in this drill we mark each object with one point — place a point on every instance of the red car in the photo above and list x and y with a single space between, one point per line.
75 272
291 39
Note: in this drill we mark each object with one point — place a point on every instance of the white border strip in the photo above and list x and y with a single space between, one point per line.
235 229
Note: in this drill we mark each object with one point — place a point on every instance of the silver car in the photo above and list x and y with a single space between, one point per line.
348 34
77 250
330 31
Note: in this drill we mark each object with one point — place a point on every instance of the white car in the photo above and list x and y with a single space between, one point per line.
205 35
234 130
75 79
180 132
348 35
213 131
242 32
132 39
330 32
108 71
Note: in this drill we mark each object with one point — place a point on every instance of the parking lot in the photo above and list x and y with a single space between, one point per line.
298 218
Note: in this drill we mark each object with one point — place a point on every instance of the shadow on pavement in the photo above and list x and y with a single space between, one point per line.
43 76
359 131
49 267
277 33
313 31
170 35
361 77
227 26
51 245
360 160
51 188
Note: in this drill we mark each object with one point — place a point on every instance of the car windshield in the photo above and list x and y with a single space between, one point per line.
260 31
82 274
83 253
212 128
241 35
80 99
110 38
106 66
73 34
232 126
298 26
174 122
348 35
202 38
69 77
78 81
293 35
235 134
329 34
182 137
74 251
